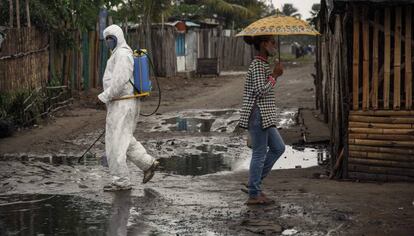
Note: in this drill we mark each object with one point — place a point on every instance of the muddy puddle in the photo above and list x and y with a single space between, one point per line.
213 162
207 153
42 214
51 215
222 121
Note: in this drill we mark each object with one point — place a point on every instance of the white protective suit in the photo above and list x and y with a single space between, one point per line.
122 115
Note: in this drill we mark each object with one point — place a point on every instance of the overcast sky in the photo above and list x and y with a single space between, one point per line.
304 6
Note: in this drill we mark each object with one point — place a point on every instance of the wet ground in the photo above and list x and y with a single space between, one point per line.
44 191
196 145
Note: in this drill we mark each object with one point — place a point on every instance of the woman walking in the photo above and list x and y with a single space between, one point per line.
258 115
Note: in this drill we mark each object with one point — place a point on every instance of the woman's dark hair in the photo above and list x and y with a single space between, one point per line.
256 40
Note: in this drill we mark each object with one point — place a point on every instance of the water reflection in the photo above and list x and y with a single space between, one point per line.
39 214
292 158
200 164
51 215
216 158
118 221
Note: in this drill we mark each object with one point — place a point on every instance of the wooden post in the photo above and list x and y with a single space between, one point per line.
355 77
18 14
365 61
375 62
29 24
408 59
11 13
79 61
73 69
387 57
397 59
97 57
91 58
85 61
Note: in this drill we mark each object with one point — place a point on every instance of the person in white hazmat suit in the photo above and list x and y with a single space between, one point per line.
122 115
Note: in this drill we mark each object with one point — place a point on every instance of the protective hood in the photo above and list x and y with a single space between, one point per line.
119 34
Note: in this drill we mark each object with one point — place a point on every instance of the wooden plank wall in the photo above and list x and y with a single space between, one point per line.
382 58
233 52
163 46
381 125
381 144
28 68
364 89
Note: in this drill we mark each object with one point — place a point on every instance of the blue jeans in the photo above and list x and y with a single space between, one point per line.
263 158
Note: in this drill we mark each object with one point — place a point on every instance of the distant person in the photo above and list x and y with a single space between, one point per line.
301 51
297 51
122 115
259 116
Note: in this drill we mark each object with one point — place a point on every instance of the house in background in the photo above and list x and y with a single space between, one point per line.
186 45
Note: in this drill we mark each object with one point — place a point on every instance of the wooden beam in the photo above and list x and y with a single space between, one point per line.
374 162
365 61
354 124
382 143
377 154
355 77
382 30
383 113
408 59
397 59
380 177
381 170
396 137
393 152
381 131
387 57
380 119
375 50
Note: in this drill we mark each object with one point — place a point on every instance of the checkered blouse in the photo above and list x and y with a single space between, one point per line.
258 88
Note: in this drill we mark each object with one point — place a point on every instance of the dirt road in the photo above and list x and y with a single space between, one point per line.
204 163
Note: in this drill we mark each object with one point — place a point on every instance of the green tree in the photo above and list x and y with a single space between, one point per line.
236 13
289 10
314 13
61 17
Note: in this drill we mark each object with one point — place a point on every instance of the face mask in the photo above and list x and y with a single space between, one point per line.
111 42
271 50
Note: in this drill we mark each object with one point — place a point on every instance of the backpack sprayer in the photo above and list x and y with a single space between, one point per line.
142 85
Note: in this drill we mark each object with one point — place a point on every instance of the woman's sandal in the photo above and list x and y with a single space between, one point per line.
260 200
